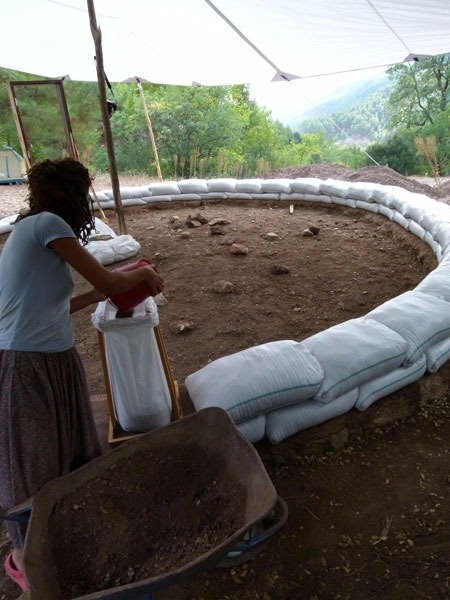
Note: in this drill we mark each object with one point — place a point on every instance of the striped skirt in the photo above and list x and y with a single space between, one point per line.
46 424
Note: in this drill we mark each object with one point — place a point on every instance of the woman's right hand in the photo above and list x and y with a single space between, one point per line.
154 281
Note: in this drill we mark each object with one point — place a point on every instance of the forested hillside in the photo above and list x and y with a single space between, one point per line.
359 116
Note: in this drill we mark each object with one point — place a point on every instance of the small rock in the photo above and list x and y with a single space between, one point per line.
223 287
238 249
190 222
219 222
185 235
228 241
271 236
181 326
279 270
160 300
201 218
216 230
314 230
307 233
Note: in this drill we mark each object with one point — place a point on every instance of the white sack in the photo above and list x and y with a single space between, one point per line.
249 186
7 223
387 384
420 319
254 429
334 187
354 352
163 188
437 355
276 185
285 422
114 250
256 380
437 282
193 186
138 384
221 185
306 185
101 228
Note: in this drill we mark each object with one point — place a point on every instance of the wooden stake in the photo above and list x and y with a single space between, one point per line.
150 129
97 36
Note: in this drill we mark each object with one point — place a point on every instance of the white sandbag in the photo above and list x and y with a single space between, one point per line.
285 422
193 186
129 192
343 201
221 185
253 381
398 218
334 187
369 206
428 239
249 186
437 354
162 198
164 188
318 198
306 185
264 196
7 223
292 196
435 213
385 211
441 233
420 319
102 251
417 229
238 195
276 185
189 197
437 282
253 430
138 385
101 229
124 246
360 190
387 384
354 352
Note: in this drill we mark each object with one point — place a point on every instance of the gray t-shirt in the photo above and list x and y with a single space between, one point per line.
36 285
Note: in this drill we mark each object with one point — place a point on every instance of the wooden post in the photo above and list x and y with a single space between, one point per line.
96 34
150 128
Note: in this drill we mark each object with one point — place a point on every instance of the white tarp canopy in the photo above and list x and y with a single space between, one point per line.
186 42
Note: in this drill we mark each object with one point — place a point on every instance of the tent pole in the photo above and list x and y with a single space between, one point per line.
150 128
96 34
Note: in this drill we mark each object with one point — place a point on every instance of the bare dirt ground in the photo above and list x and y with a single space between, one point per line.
370 520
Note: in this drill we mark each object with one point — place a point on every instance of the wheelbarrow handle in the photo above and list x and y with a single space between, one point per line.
20 512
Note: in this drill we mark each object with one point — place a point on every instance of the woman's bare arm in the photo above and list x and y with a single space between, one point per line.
107 282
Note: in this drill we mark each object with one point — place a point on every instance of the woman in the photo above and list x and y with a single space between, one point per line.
46 424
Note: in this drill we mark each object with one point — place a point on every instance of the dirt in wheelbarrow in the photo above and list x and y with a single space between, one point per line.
182 512
368 518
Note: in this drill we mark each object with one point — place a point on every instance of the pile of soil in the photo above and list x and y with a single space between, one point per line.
368 518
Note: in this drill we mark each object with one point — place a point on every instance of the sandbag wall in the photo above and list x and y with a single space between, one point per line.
279 388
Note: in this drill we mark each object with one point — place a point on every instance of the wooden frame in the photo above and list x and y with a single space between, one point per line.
116 434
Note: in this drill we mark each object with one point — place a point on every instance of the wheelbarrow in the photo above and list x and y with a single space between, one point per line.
210 468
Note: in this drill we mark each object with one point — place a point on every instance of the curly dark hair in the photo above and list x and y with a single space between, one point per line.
62 187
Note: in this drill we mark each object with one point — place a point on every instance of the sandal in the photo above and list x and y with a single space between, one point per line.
14 573
261 531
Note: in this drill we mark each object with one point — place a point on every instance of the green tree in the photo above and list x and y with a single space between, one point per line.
420 91
400 153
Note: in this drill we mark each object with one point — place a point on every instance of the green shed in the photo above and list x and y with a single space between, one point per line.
12 166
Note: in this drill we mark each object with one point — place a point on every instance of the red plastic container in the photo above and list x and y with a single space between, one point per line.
126 301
